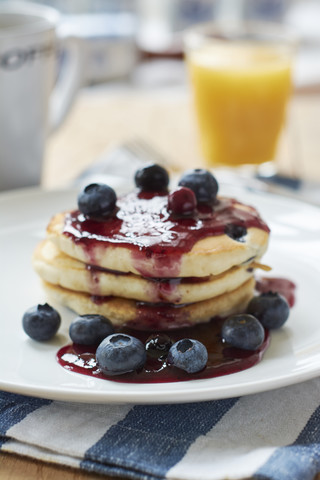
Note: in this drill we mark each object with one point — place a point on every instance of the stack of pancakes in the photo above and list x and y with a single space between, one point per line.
129 279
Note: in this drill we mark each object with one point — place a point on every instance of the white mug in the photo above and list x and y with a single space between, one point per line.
33 99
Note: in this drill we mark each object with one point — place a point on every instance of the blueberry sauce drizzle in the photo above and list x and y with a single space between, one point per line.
159 288
281 285
95 270
143 224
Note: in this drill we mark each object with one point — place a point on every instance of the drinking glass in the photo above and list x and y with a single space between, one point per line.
241 78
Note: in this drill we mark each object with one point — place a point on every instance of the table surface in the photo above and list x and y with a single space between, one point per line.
102 118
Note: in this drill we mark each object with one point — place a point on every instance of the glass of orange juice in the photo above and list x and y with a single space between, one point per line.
241 80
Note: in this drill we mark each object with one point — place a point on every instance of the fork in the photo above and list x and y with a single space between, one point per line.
118 165
124 160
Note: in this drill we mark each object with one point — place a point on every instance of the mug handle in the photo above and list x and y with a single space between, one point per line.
68 81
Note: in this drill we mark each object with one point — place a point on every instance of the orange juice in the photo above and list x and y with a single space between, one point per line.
240 92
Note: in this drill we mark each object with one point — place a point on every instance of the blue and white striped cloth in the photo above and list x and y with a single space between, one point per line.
272 435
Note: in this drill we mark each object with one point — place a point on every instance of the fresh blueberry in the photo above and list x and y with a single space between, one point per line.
243 331
152 178
90 329
236 232
97 201
41 322
271 308
189 355
182 201
158 345
202 183
120 353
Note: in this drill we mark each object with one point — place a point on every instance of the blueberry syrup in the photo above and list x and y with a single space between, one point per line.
143 224
223 359
159 289
281 285
160 316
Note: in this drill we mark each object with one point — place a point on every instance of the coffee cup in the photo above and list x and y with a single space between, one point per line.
37 88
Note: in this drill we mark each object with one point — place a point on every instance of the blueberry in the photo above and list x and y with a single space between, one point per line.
152 178
236 232
120 353
271 308
97 201
158 345
90 329
41 322
202 183
182 201
189 355
243 331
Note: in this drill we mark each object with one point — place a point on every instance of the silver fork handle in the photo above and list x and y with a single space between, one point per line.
118 166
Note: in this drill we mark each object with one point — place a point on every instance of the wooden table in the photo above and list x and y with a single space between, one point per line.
102 118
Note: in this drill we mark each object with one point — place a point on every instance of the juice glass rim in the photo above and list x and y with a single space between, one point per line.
248 32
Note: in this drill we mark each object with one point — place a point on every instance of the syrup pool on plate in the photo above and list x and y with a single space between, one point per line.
222 359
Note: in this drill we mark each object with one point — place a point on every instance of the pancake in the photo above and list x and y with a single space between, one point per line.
140 315
57 268
142 238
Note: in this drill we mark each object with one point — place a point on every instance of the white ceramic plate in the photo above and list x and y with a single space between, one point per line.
29 367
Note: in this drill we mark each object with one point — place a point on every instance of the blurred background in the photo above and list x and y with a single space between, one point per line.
124 37
136 46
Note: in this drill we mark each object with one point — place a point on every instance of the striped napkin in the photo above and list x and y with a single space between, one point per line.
272 435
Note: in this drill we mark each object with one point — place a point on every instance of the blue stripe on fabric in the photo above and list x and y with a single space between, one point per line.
151 439
299 461
14 408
